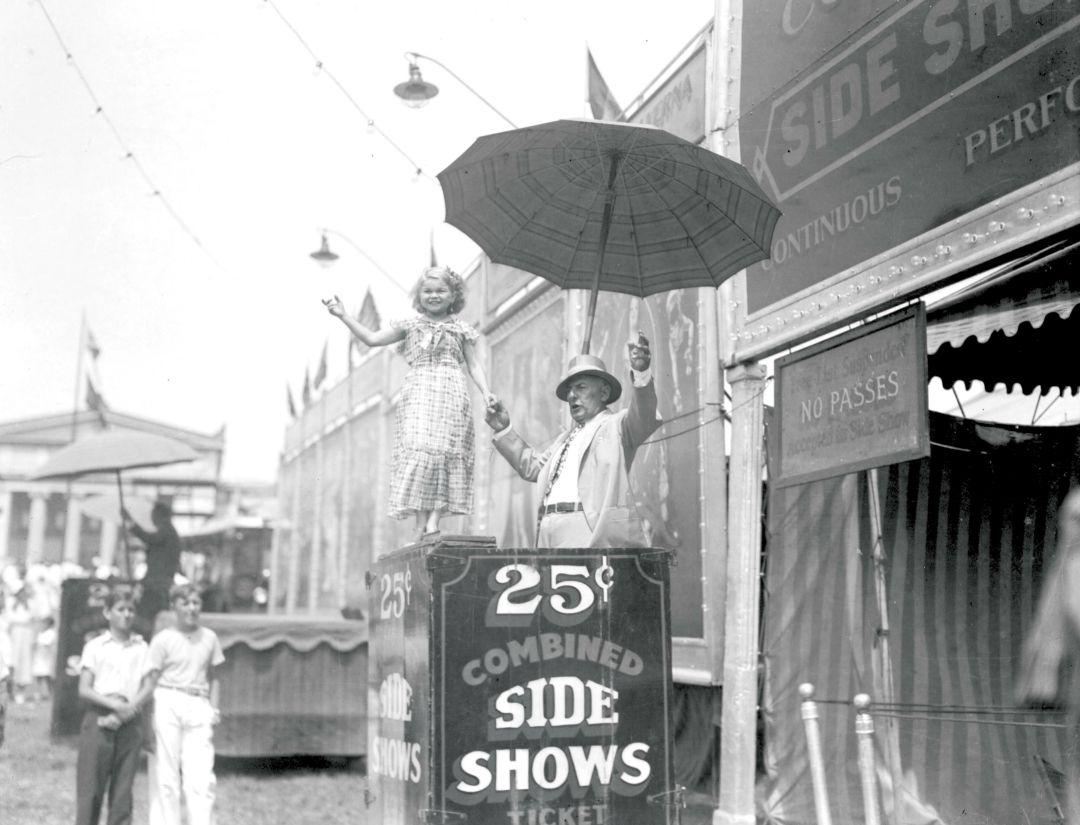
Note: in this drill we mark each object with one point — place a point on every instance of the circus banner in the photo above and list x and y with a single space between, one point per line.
871 124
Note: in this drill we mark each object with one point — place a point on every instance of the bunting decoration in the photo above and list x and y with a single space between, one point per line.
369 317
320 372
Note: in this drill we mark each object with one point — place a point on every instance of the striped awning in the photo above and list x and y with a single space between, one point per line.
1015 326
303 634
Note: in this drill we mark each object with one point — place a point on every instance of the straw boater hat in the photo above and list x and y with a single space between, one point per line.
588 365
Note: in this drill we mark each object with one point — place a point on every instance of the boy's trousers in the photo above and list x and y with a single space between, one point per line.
183 763
106 764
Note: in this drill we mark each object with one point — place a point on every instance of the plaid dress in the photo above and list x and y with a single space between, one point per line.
434 439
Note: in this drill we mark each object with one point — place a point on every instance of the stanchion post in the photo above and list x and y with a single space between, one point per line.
813 746
864 733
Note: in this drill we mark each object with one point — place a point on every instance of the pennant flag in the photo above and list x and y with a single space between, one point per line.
369 317
88 393
92 345
320 373
90 368
305 393
94 400
601 101
369 313
289 399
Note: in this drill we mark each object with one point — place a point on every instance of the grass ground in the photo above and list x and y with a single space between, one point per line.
37 783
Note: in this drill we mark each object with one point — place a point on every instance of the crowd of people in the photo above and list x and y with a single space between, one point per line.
29 609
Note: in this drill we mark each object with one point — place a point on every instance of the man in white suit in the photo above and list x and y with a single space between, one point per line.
584 475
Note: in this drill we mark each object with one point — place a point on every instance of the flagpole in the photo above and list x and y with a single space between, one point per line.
69 491
78 376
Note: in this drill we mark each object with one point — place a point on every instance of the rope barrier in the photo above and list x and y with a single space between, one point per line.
966 709
959 713
943 718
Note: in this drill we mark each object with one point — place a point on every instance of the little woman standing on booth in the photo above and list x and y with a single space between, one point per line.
434 440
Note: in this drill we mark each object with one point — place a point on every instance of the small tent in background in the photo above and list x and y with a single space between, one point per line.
229 557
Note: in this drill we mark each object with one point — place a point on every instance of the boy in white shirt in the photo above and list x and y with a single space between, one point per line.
180 670
111 734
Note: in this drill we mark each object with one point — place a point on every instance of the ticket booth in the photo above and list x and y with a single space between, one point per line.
517 687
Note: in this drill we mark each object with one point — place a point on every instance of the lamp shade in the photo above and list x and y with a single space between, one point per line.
323 254
416 91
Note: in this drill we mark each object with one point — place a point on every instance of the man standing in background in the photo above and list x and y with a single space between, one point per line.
162 559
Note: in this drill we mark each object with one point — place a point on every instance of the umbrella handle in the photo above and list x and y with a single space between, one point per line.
605 228
123 531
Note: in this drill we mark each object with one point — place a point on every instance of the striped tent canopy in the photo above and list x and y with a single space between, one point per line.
968 535
1012 326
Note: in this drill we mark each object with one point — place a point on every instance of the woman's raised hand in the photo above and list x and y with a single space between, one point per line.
334 306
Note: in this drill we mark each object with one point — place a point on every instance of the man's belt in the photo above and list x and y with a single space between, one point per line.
560 507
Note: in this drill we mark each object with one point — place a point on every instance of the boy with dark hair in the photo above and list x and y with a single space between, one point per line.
111 734
180 671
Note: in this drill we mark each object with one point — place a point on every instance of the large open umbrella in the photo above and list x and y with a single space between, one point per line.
597 205
114 452
108 507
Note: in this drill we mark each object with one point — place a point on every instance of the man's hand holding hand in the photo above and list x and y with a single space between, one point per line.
497 417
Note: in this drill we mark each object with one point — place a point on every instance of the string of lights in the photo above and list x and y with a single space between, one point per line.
320 66
99 110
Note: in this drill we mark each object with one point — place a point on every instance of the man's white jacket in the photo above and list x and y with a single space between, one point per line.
604 474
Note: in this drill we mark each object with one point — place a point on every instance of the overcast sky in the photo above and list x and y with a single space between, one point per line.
203 299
